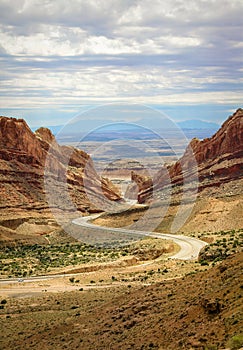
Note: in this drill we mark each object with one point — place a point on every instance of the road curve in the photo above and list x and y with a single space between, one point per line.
190 247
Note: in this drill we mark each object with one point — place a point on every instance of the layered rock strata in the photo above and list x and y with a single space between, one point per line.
27 157
205 164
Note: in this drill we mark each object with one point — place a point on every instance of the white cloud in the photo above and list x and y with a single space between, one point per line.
141 84
55 52
55 40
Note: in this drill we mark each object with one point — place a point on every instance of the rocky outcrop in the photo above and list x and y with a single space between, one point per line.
213 161
212 306
27 157
18 143
141 181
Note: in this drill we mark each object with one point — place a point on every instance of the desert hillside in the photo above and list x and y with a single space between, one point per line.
24 161
199 311
207 180
214 161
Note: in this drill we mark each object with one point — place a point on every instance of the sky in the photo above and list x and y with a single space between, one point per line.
58 57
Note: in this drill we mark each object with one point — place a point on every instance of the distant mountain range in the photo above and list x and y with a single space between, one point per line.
197 124
105 130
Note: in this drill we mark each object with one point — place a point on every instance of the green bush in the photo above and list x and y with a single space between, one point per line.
236 342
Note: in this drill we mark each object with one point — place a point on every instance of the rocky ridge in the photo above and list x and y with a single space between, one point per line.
213 162
24 159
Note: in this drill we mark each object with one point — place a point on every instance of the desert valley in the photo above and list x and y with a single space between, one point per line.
161 268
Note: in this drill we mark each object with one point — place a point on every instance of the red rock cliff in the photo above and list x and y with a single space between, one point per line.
23 156
215 161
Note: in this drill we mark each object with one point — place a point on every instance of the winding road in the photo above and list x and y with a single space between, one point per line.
189 250
190 247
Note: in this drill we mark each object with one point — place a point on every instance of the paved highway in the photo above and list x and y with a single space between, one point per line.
190 247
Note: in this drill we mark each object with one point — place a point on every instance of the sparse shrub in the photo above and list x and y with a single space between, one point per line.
236 342
71 279
151 272
210 347
4 301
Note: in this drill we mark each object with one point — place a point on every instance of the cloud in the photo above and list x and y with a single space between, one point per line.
71 53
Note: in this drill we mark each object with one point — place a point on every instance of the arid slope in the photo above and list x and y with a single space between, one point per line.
24 160
200 311
213 161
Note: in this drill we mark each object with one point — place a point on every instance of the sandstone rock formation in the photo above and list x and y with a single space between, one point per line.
24 161
213 162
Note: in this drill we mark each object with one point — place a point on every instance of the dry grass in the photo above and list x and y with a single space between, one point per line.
199 311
